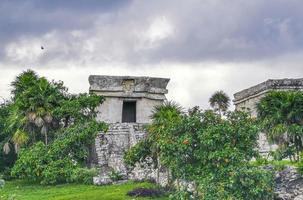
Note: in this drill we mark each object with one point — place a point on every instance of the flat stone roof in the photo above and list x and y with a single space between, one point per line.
271 84
139 85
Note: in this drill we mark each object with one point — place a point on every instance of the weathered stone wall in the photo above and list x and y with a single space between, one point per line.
249 104
288 185
112 145
147 92
125 86
247 100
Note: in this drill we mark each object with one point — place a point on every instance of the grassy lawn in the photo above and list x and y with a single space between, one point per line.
282 163
26 191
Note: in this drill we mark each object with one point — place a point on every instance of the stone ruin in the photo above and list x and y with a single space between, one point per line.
247 99
128 104
289 184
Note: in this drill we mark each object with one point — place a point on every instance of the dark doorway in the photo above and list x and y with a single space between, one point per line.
129 111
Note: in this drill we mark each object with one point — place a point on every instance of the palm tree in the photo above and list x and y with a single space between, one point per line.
166 111
220 102
281 117
22 82
34 100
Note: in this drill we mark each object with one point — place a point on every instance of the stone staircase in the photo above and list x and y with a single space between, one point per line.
111 146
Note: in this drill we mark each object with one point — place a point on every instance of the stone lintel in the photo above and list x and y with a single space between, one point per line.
127 84
271 84
130 96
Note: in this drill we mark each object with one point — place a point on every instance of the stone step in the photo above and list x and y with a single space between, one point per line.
117 131
102 180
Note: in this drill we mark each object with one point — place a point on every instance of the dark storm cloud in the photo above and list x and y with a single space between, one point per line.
151 31
31 18
234 30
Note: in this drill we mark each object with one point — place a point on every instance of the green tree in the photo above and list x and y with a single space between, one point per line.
31 115
281 116
220 102
164 117
22 82
211 151
57 162
8 155
43 111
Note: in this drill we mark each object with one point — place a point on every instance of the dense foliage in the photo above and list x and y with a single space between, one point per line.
59 161
281 116
203 148
2 183
49 129
7 155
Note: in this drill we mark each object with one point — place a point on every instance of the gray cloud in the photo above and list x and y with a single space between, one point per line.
153 31
33 18
202 46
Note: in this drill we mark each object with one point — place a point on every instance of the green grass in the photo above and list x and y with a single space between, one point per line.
28 191
278 165
275 162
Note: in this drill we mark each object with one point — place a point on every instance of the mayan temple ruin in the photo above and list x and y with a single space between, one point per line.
128 104
247 99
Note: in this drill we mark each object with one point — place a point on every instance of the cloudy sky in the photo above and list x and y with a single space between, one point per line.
202 45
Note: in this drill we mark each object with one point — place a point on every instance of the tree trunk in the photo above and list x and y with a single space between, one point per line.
44 132
45 135
297 142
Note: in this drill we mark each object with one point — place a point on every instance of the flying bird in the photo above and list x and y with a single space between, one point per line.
42 47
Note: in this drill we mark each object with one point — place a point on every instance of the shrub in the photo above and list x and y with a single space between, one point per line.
58 171
210 151
56 163
115 175
84 175
6 174
300 164
181 195
260 161
2 183
31 163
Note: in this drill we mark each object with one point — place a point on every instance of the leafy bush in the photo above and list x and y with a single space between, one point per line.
181 195
6 174
283 152
2 183
58 171
300 165
261 161
8 156
56 163
31 161
211 151
245 183
115 175
140 153
84 175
